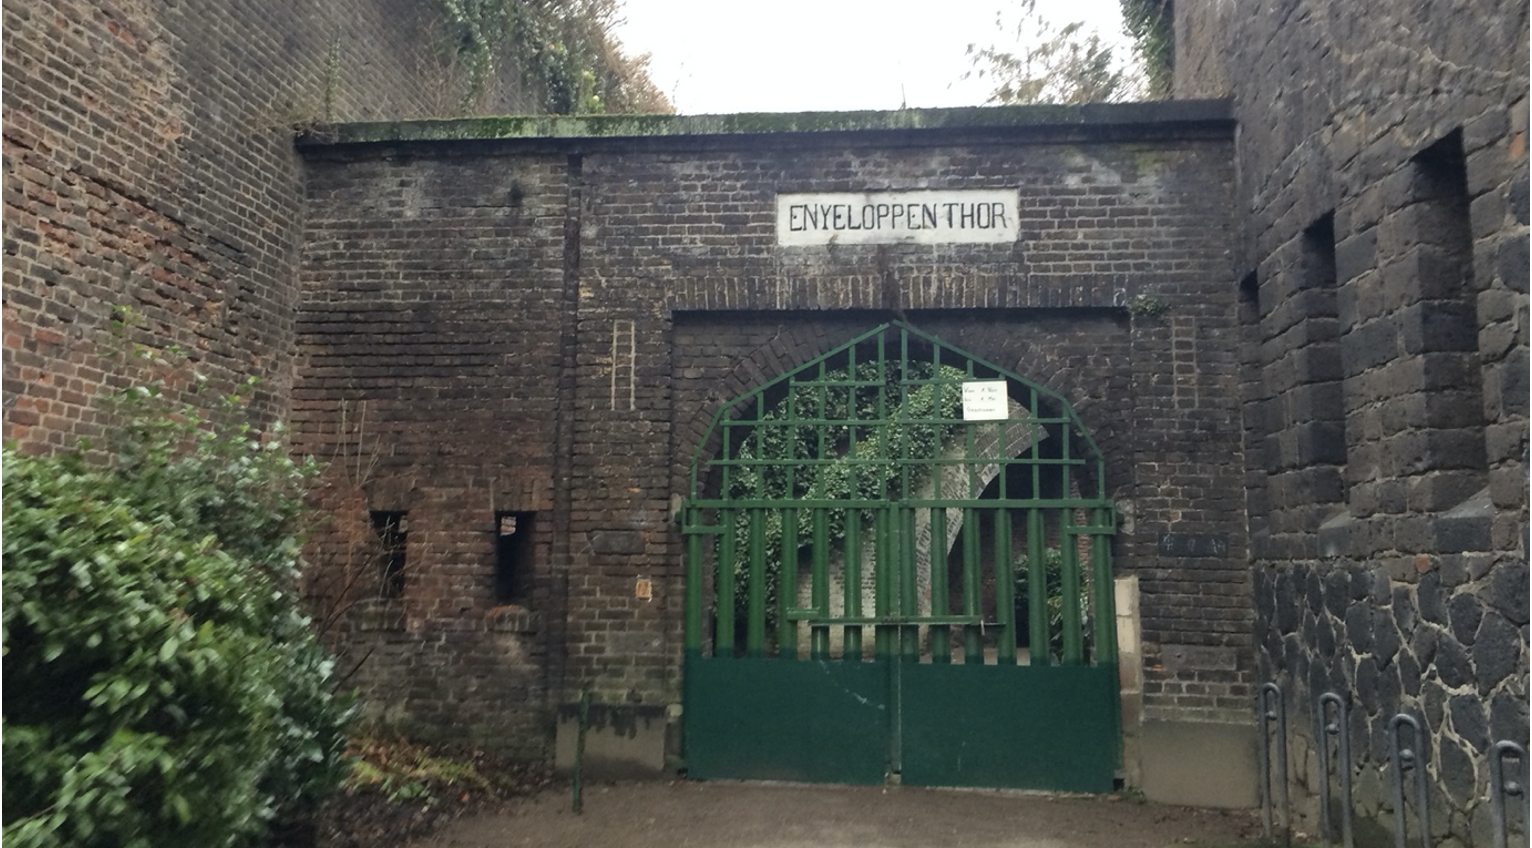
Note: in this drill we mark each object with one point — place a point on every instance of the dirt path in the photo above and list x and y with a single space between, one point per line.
753 815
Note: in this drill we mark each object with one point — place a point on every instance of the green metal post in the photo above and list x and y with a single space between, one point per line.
1069 544
787 587
909 635
723 640
973 644
853 589
755 622
819 635
1005 589
1105 607
941 634
1037 589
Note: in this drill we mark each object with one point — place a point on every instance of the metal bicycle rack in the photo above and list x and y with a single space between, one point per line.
1500 788
1410 756
1269 708
1340 729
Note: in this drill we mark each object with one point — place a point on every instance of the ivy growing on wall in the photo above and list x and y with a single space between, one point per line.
1151 24
862 457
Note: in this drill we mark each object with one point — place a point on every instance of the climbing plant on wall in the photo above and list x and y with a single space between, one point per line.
819 443
1152 28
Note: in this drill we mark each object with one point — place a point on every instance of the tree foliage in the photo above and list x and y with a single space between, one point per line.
1052 64
563 48
1149 24
162 684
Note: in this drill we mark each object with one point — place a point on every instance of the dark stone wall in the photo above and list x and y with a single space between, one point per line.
149 163
549 324
1383 185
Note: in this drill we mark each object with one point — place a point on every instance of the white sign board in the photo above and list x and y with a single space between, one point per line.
985 400
982 216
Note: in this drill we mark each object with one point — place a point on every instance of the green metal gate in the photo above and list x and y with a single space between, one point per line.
898 568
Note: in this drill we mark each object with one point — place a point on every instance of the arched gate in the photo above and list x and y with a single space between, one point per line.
898 568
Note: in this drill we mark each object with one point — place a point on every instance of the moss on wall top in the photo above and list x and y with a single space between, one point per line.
1105 116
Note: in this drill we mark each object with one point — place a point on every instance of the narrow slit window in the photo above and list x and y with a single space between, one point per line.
392 530
513 557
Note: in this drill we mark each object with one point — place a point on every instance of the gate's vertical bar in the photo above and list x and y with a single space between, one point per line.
787 585
1069 601
1400 758
882 554
853 588
909 587
755 609
973 644
880 583
1105 606
1005 589
693 634
941 634
1500 788
1037 588
819 634
723 581
851 575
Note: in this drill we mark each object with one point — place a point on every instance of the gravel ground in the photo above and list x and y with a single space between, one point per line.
669 814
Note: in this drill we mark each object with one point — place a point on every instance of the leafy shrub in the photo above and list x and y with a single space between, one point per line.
163 685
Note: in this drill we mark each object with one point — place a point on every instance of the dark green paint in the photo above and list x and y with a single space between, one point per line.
794 702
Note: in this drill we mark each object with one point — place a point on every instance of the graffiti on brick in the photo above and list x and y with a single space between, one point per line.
1193 545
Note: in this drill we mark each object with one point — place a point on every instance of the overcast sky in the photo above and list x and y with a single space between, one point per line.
712 56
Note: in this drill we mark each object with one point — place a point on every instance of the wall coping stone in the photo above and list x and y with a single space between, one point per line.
1114 121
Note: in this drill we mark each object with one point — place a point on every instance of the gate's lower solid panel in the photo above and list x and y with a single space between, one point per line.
1010 726
769 719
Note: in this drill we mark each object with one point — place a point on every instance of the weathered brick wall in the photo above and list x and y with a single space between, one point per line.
149 163
429 361
1383 167
623 288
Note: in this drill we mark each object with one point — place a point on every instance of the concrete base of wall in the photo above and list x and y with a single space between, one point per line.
1199 764
622 741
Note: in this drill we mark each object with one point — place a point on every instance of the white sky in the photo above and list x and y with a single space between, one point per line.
712 56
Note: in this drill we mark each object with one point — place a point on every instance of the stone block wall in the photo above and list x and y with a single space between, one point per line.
1383 194
617 290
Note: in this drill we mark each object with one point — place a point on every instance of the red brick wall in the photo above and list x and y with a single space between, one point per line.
148 162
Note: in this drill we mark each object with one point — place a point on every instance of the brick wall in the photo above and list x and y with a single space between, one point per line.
618 289
1383 167
148 163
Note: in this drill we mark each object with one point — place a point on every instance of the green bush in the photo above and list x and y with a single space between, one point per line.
163 686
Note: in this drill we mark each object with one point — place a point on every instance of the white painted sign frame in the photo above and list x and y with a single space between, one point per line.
937 216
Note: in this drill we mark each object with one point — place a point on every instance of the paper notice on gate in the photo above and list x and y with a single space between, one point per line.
985 400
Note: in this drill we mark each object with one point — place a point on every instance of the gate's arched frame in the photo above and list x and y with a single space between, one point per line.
862 464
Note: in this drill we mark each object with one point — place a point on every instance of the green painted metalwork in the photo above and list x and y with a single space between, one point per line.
1017 727
816 722
850 498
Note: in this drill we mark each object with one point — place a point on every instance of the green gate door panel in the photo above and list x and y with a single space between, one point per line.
850 508
822 721
1020 727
